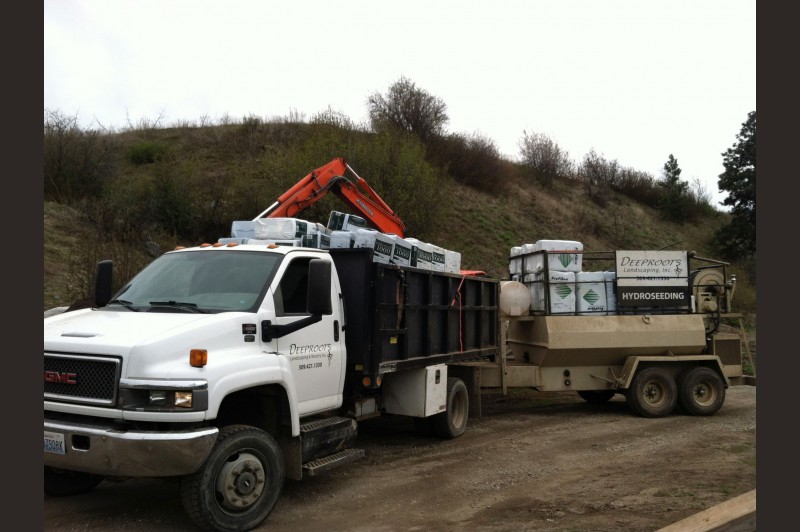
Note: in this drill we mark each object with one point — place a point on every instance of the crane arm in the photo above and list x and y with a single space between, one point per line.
356 193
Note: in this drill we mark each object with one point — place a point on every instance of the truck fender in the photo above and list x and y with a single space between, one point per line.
632 364
257 376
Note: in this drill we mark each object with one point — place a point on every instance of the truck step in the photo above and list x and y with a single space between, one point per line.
325 423
325 463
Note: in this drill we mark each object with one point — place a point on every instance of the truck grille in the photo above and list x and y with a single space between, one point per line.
81 379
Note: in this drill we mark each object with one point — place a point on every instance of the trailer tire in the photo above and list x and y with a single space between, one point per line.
597 397
238 485
453 421
63 483
653 393
701 391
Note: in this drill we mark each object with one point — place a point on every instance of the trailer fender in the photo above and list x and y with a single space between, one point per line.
673 364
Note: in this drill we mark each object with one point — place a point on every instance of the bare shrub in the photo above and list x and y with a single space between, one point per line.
543 155
472 159
76 162
408 108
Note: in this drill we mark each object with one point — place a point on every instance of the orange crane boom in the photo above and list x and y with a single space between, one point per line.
353 190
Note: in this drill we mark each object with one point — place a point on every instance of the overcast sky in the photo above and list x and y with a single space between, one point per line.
634 80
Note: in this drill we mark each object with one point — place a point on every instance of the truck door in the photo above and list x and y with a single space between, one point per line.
315 352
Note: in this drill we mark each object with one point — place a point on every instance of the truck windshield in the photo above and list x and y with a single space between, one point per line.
200 281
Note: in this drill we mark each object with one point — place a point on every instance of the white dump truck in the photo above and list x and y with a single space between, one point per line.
233 366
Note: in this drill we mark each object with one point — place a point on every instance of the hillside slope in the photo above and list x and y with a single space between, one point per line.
482 227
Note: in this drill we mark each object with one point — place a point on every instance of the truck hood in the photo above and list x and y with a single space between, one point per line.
150 344
124 329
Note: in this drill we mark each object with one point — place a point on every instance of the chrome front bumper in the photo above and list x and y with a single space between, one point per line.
109 451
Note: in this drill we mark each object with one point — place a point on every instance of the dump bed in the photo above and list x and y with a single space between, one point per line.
400 317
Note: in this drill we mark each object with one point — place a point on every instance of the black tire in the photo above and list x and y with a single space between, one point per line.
597 397
653 393
238 485
701 391
62 483
452 422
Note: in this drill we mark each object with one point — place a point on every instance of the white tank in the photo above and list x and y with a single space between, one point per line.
515 298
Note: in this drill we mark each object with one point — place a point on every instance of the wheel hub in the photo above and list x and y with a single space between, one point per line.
240 482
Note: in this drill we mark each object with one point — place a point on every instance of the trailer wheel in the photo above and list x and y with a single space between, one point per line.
452 422
62 483
653 393
238 485
701 391
597 397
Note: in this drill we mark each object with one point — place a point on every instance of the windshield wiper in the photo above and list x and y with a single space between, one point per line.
127 304
192 307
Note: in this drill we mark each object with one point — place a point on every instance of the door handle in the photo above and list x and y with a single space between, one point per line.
335 330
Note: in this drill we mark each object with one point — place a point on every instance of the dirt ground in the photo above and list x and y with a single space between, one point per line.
533 461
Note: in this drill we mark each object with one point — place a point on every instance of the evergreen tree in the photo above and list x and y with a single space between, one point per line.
738 239
675 200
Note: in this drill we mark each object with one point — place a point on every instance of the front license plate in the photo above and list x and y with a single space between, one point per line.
54 442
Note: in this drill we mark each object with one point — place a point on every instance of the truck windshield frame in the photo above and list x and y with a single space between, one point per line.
205 281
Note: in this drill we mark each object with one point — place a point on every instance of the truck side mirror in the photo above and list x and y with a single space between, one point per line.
102 284
319 287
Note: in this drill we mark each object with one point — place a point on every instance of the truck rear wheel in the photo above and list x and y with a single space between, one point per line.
61 483
238 485
452 422
653 393
701 391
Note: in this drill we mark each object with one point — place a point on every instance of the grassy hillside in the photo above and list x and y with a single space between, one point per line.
160 182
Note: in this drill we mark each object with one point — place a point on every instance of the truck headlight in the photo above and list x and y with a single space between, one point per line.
183 399
163 395
157 397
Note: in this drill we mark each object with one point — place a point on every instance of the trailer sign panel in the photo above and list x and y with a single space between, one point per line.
652 278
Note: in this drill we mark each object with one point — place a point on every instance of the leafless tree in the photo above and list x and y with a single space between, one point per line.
542 154
408 108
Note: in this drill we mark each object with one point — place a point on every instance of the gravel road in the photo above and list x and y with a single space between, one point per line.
534 461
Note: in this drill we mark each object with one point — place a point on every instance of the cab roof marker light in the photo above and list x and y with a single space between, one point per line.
217 245
232 244
205 245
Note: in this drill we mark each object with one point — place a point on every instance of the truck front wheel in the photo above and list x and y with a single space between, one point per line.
653 393
238 485
452 422
701 391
